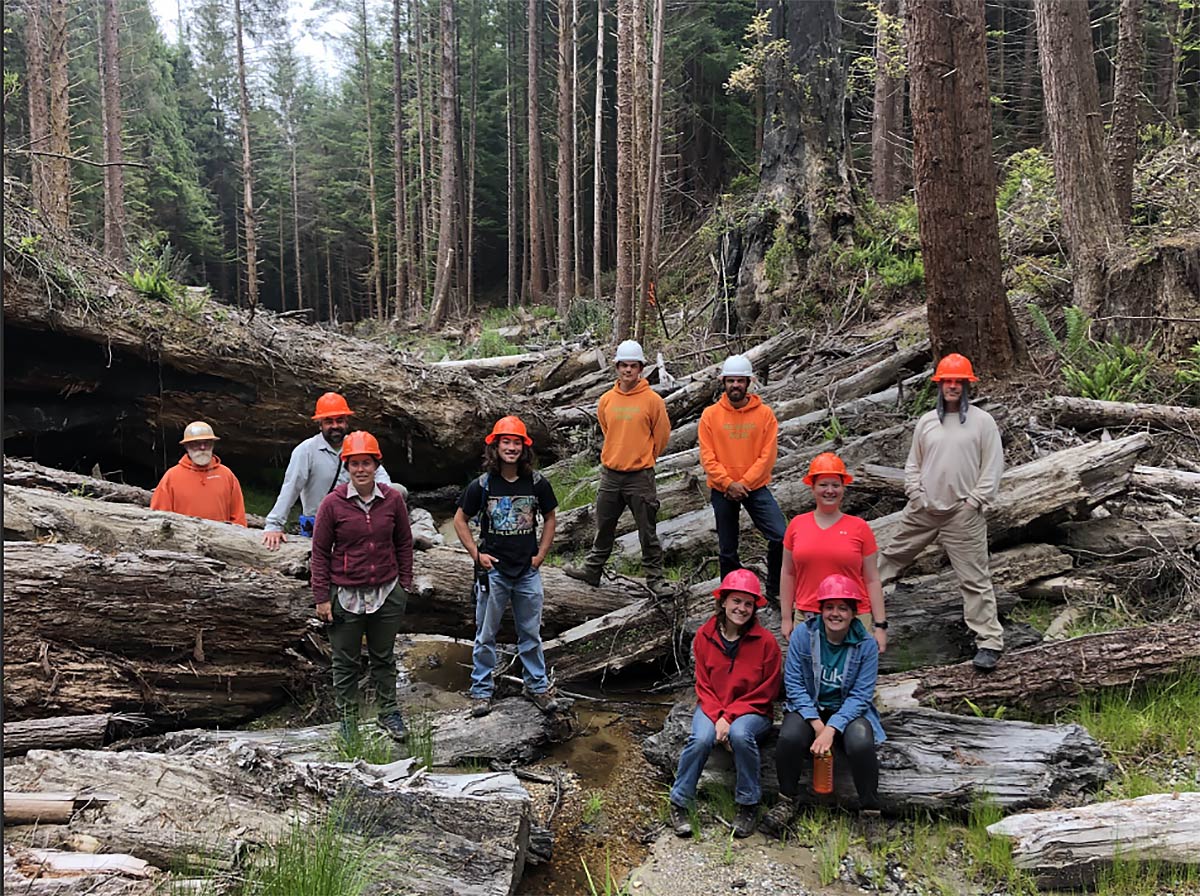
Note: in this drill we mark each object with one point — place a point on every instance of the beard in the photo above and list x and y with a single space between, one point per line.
335 436
201 458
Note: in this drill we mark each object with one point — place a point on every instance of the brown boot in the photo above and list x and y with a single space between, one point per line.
776 821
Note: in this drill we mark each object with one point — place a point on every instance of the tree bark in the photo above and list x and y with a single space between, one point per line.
651 208
537 281
514 159
110 108
376 272
1123 130
59 166
399 202
626 188
1083 183
247 165
448 136
469 247
933 760
1087 414
424 138
66 732
887 120
37 81
954 174
566 198
1051 676
1068 849
597 158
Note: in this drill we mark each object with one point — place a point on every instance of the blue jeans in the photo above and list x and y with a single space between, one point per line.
525 595
767 518
744 736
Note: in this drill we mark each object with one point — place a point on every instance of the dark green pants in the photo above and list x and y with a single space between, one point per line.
345 637
638 492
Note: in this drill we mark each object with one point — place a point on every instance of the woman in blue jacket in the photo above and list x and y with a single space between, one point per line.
829 680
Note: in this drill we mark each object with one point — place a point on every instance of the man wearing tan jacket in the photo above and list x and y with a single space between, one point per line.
634 421
738 447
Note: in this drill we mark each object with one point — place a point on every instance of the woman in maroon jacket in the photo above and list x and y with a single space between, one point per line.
738 675
362 560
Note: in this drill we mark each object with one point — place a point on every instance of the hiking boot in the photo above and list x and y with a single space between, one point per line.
393 724
745 821
681 821
546 701
581 573
480 706
985 659
776 821
661 588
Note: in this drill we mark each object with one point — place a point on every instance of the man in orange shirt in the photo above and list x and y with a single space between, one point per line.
634 421
738 446
199 485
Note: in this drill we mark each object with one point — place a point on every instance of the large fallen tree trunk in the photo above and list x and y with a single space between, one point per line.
62 732
1052 675
1069 848
1086 413
430 834
932 760
1157 482
1119 538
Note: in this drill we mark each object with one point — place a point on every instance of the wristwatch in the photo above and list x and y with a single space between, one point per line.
883 625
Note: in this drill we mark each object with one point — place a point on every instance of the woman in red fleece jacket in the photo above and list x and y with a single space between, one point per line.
362 568
738 676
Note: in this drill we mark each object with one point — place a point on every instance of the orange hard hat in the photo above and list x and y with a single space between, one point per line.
508 426
331 404
360 442
954 367
827 464
839 587
741 580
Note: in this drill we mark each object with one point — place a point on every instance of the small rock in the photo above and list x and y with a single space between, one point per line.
739 884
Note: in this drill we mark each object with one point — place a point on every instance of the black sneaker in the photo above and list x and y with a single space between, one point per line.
546 701
480 706
746 820
393 724
681 822
985 659
581 574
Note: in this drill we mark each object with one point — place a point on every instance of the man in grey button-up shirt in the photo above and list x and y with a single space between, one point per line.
315 468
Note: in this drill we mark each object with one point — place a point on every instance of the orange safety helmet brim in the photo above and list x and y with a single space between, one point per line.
741 580
359 442
827 464
331 404
954 367
508 426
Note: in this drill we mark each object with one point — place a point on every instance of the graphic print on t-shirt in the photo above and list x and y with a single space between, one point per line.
512 514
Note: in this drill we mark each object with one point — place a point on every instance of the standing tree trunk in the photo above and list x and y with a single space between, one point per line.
597 157
1123 131
510 125
398 165
39 108
110 111
296 222
956 183
449 184
58 54
422 144
566 201
537 282
376 281
650 211
626 10
247 168
470 241
1072 95
887 122
576 261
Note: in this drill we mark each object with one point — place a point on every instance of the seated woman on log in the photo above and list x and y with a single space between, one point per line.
829 681
826 541
362 569
737 681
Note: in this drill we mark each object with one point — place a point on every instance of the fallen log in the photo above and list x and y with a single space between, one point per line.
62 732
58 864
933 760
1119 539
1161 482
1086 414
429 834
1050 676
1069 848
38 807
514 731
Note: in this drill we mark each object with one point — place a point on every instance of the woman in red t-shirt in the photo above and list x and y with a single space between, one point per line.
826 542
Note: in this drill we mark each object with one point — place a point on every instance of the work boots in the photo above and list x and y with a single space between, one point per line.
775 822
393 724
582 574
985 659
745 821
681 821
546 701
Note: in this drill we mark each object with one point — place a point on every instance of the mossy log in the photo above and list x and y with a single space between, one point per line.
933 760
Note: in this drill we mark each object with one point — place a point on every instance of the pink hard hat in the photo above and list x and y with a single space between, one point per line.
839 587
741 580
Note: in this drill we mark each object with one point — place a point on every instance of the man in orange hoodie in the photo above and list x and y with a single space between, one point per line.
199 485
634 421
738 446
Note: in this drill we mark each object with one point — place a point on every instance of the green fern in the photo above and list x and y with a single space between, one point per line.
1043 324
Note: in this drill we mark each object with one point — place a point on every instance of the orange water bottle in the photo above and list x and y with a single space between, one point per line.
823 773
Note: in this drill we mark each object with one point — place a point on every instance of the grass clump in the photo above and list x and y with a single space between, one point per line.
316 859
608 885
420 736
1156 718
369 745
575 483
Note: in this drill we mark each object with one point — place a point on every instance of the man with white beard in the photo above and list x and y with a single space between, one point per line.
199 485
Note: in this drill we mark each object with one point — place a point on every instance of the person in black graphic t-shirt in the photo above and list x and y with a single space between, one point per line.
507 498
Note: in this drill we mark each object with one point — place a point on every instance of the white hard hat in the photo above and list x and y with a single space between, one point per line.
630 350
737 365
